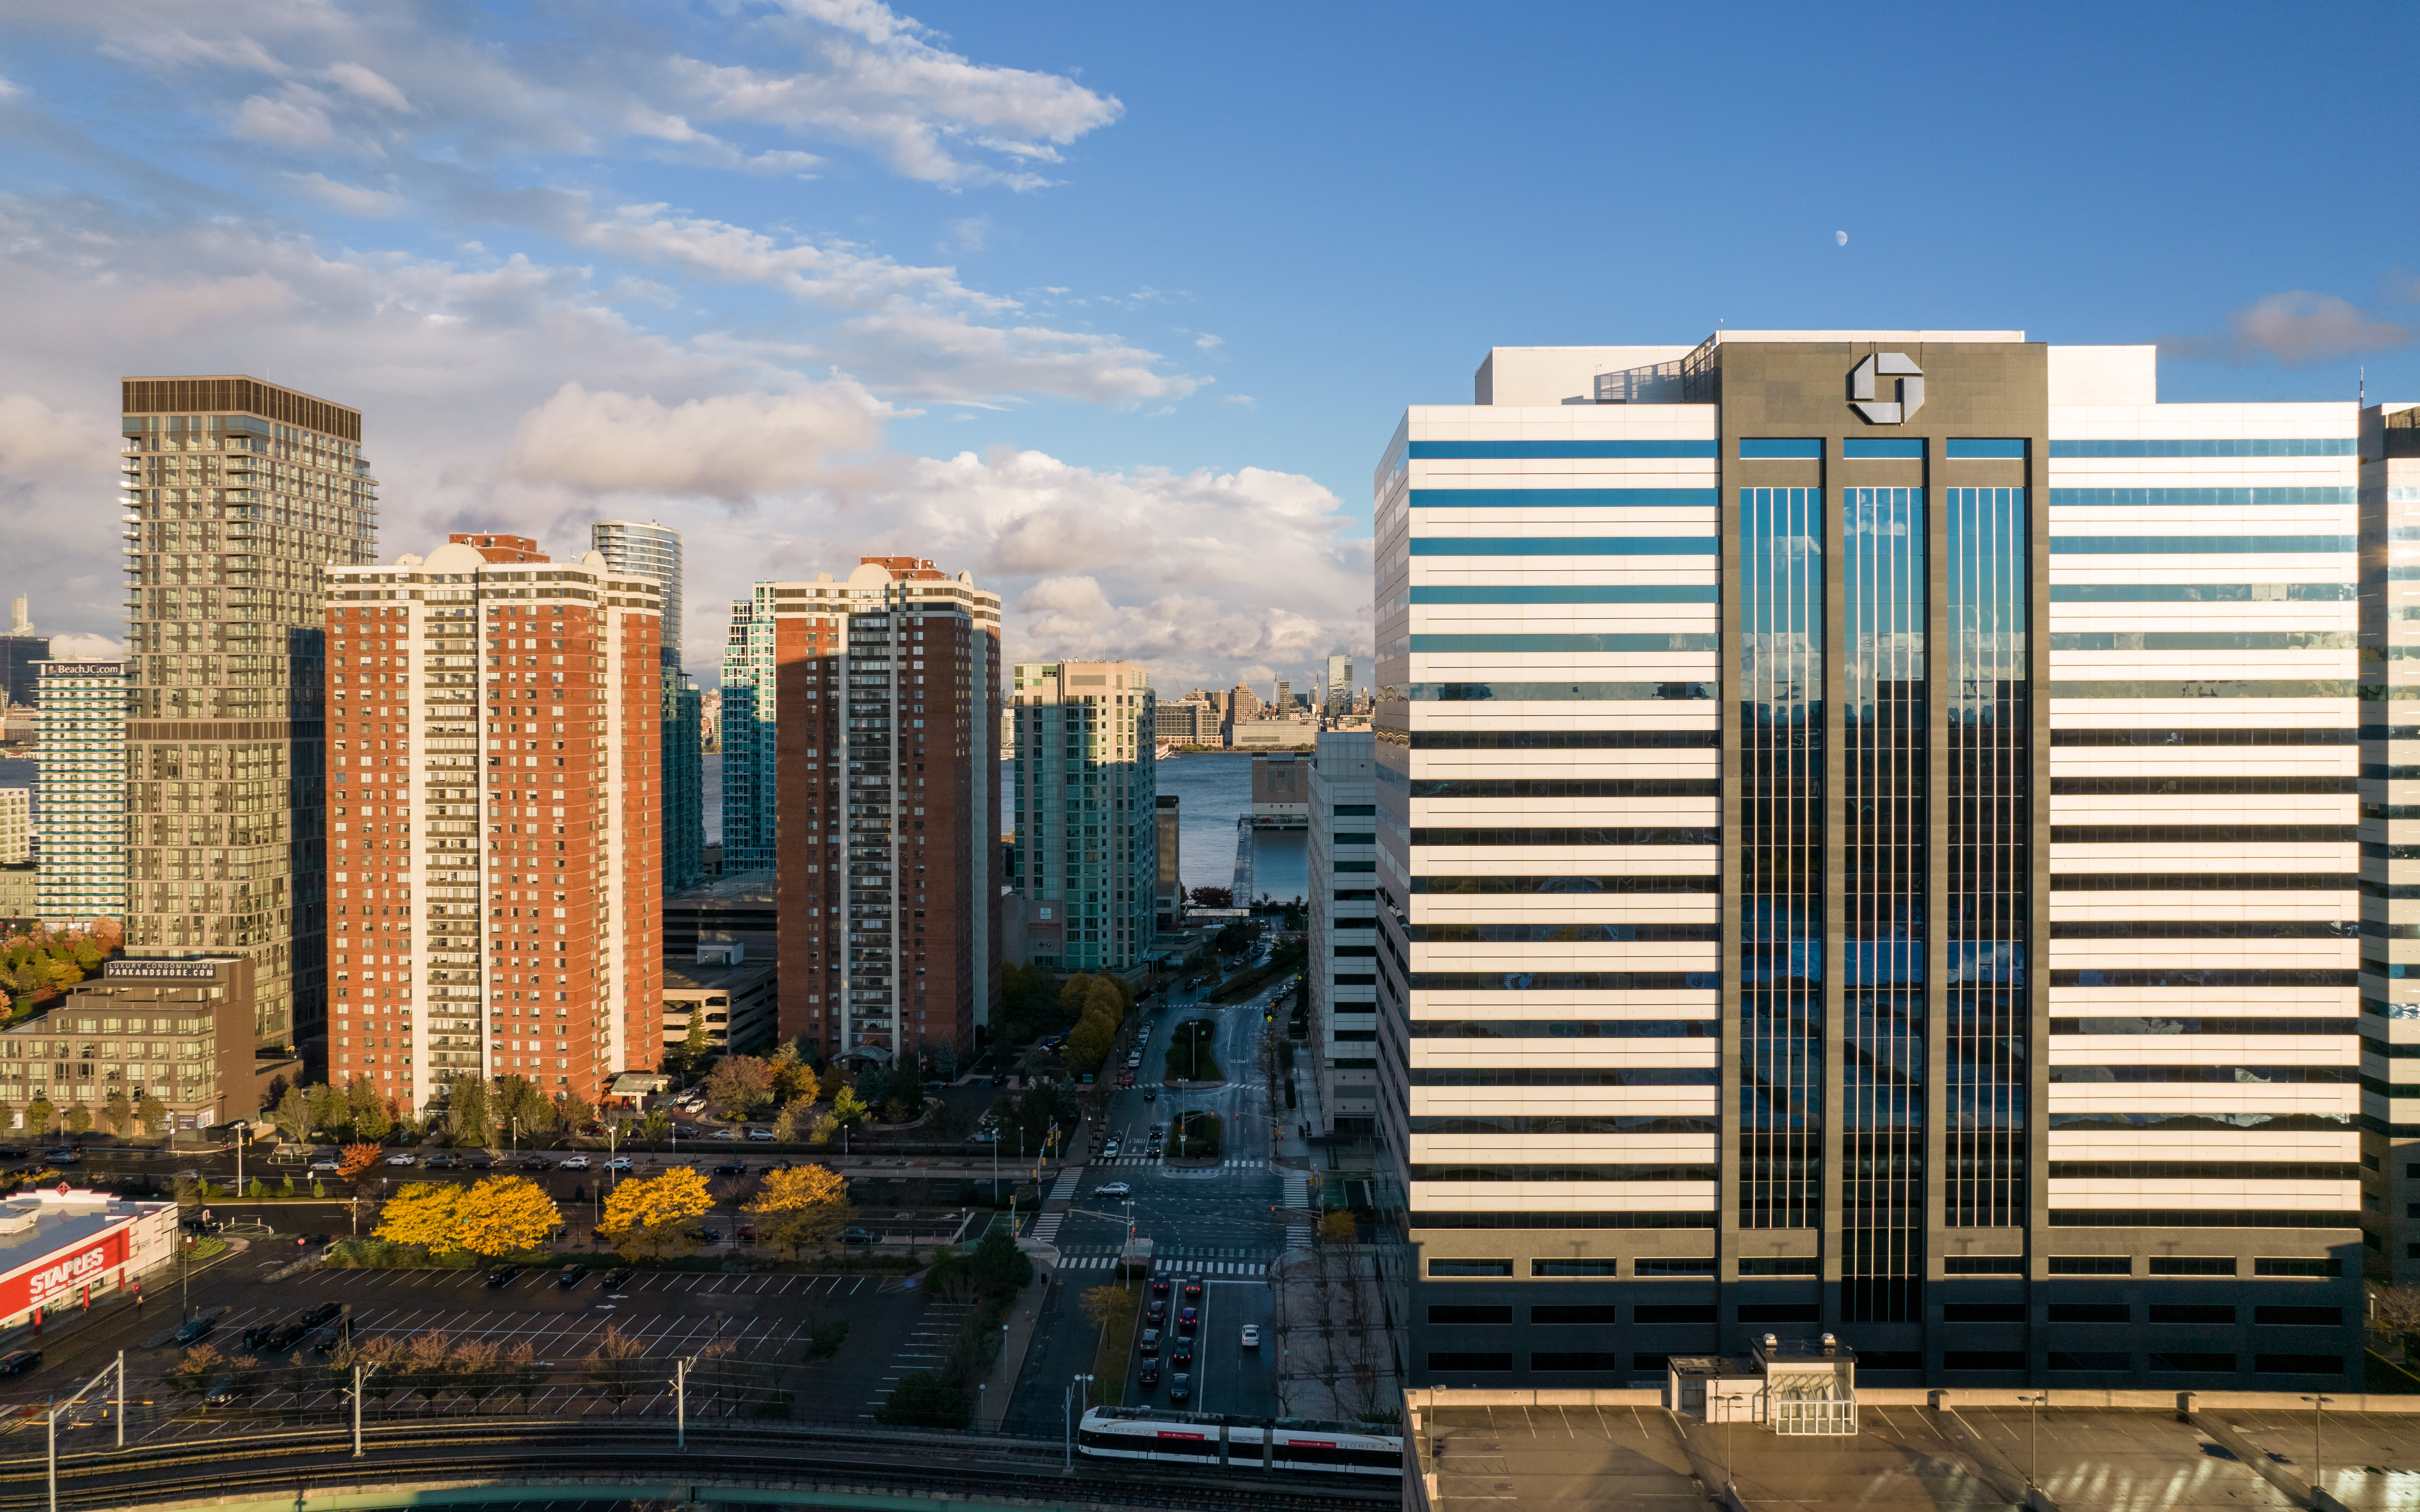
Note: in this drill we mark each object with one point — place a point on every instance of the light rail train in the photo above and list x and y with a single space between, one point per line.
1210 1438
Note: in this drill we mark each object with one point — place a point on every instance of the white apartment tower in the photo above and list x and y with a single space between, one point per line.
82 707
1342 966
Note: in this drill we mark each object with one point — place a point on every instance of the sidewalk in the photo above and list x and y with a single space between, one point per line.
992 1409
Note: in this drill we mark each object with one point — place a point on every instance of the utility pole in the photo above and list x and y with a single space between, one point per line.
2034 1404
361 1373
680 1401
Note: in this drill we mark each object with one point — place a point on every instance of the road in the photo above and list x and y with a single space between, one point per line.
1220 1225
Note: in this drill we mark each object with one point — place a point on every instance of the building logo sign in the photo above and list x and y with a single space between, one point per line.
1862 389
167 970
64 1276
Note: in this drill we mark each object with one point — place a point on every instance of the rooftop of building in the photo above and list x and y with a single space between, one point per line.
1918 1451
33 1224
737 888
692 976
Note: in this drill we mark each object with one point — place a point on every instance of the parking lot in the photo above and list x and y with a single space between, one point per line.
754 1331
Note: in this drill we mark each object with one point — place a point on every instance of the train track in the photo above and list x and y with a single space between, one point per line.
525 1464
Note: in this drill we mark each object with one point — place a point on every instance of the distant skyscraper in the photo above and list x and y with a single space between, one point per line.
546 962
21 650
1340 685
654 551
1087 814
748 699
1342 972
239 495
82 752
886 806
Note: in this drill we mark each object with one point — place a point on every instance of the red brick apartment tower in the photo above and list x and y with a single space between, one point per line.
887 779
493 829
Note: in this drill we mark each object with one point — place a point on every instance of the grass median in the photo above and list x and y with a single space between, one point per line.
1113 1308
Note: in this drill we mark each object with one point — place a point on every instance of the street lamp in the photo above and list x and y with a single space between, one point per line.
1067 1401
2318 1406
1731 1425
2034 1404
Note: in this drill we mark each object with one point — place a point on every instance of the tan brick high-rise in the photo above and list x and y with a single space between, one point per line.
494 820
237 496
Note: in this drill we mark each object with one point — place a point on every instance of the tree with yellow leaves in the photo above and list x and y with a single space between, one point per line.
503 1214
646 1219
802 1207
422 1214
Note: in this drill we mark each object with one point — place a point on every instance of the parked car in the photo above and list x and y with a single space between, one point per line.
197 1328
731 1167
707 1236
619 1163
856 1236
577 1162
442 1162
402 1160
323 1313
1251 1336
327 1337
534 1162
288 1336
763 1137
1180 1387
326 1162
257 1335
570 1276
1113 1189
724 1133
221 1392
617 1278
503 1275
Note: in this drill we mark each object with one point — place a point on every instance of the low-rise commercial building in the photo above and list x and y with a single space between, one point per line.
176 1029
70 1249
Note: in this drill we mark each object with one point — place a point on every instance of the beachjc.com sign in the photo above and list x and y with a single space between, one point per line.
62 1278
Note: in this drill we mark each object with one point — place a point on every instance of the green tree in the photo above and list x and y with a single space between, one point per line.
1089 1043
693 1053
848 1110
365 1111
467 1109
292 1114
577 1111
154 1113
79 1119
922 1399
740 1084
794 1080
790 1125
329 1111
656 1126
118 1111
997 1266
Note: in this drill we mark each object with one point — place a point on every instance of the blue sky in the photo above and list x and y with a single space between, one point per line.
1114 306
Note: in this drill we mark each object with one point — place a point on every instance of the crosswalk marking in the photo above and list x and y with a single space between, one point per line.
1154 1160
1297 1196
1218 1268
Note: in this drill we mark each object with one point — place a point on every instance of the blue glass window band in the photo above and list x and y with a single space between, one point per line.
1883 448
1985 448
1780 449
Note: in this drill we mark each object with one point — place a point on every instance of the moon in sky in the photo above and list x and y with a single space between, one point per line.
1840 237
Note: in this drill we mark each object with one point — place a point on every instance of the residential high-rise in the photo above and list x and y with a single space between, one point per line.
16 826
1340 686
1187 721
887 806
1878 833
83 753
1086 809
1341 969
654 551
1168 902
494 820
239 495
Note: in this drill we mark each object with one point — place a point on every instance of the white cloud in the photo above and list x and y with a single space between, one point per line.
75 645
728 447
1207 341
2294 328
298 119
367 86
370 203
1246 400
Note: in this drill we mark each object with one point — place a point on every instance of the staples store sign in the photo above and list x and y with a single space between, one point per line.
59 1278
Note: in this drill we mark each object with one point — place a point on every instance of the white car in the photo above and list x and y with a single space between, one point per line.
726 1133
1251 1336
402 1160
619 1163
1113 1189
1109 1151
577 1162
761 1136
326 1162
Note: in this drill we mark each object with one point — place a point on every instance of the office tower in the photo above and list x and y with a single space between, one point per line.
82 752
1167 895
1284 704
494 820
887 800
654 549
1242 705
1341 969
1085 807
1187 722
2389 623
21 652
1340 686
1871 842
237 496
